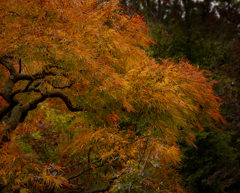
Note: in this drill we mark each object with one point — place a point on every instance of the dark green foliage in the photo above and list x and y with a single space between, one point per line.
175 42
212 43
210 168
215 166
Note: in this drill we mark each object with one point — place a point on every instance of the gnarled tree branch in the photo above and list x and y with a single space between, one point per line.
19 112
51 94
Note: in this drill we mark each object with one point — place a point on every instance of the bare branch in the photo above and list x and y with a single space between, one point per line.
79 174
89 151
83 171
14 12
20 65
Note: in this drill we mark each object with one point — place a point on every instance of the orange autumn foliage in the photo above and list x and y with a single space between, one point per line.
85 108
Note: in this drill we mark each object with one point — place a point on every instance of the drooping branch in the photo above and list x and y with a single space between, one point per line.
14 13
89 151
51 94
82 172
79 174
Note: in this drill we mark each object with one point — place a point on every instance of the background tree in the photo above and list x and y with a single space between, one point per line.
207 34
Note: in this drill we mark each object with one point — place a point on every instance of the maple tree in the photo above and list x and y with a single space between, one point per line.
83 106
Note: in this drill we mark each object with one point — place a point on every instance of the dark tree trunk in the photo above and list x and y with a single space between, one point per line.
149 9
134 4
159 13
123 2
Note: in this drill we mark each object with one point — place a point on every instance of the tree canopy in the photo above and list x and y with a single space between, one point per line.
83 106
